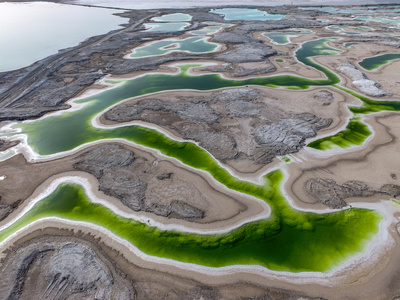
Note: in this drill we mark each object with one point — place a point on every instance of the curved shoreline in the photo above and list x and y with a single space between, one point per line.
340 274
48 188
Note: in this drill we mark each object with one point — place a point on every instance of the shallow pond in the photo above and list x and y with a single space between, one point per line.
374 62
283 37
195 44
246 14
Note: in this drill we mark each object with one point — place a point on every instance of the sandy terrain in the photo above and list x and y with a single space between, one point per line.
372 274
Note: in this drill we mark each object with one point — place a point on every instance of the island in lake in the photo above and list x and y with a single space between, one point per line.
202 153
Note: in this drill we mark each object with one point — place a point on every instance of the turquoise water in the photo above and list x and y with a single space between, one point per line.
333 10
379 20
283 37
169 23
178 17
254 14
191 45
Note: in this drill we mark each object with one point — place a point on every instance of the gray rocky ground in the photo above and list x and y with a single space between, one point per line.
59 264
329 193
361 81
235 123
5 144
61 269
47 84
126 177
230 123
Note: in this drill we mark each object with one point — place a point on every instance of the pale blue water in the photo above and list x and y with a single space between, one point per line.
32 31
166 27
178 17
380 20
337 11
246 14
169 22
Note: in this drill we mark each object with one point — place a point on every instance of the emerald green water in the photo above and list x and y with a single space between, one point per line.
355 133
348 45
193 45
69 130
289 240
369 105
372 63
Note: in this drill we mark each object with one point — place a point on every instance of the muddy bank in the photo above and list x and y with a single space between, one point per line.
240 123
56 262
140 181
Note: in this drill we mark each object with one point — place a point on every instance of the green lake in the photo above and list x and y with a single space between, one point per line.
373 63
289 240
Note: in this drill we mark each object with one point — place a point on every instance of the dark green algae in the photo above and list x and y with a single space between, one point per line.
289 240
372 63
356 131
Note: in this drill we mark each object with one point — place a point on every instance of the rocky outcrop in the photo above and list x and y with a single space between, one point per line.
390 189
244 94
237 70
6 209
288 135
61 269
195 112
6 144
103 159
119 177
221 145
329 193
177 207
271 132
361 81
108 164
324 97
249 52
